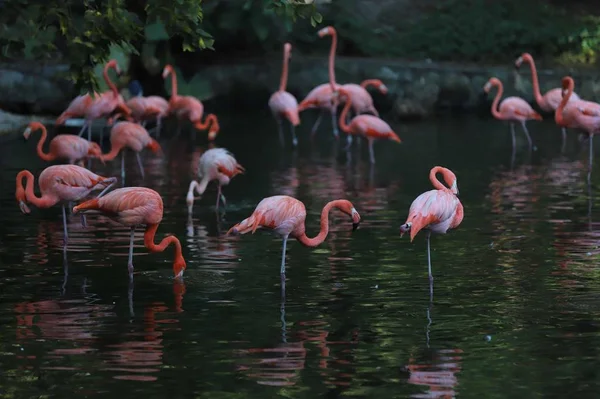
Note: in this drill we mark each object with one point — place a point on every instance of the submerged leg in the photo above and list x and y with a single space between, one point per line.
218 195
64 211
139 160
317 123
527 135
123 166
348 141
280 130
564 139
512 132
591 151
294 138
285 238
429 263
371 152
83 220
158 126
130 261
334 122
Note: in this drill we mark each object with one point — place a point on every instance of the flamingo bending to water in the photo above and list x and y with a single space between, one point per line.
512 109
215 164
190 108
551 99
362 102
60 184
282 103
132 207
144 109
435 210
321 96
66 147
133 136
286 216
369 126
578 114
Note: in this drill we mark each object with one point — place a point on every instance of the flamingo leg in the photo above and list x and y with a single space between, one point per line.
282 271
527 135
83 220
64 212
429 263
130 298
371 152
112 180
158 126
317 123
564 139
65 272
83 128
218 195
280 130
512 132
130 261
294 138
348 141
591 153
139 161
123 166
143 124
221 197
334 124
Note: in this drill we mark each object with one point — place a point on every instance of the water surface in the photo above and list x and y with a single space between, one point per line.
514 312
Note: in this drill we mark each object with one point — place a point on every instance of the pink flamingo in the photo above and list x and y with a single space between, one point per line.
436 211
215 164
133 136
60 184
282 103
512 109
549 101
369 126
63 146
190 107
148 108
286 216
362 102
321 96
134 206
580 114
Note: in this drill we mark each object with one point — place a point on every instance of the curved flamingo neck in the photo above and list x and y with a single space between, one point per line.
109 82
332 59
434 180
48 156
44 201
319 238
160 247
211 120
201 187
496 101
284 71
343 125
112 154
536 84
558 114
369 82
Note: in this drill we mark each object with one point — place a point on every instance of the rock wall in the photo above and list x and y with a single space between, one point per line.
416 89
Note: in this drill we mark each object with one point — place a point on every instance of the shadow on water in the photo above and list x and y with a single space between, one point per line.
515 311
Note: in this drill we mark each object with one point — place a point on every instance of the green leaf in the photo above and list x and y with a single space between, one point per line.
156 32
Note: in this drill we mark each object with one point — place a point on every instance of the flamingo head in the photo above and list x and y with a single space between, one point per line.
94 151
524 57
154 146
287 49
491 83
450 179
214 129
167 71
113 64
327 31
567 84
32 127
381 87
347 207
179 266
22 200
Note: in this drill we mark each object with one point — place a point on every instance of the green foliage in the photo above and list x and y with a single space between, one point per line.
85 32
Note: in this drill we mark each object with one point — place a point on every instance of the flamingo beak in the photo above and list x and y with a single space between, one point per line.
355 219
212 135
24 207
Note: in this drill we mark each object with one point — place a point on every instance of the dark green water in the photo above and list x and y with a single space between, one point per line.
515 311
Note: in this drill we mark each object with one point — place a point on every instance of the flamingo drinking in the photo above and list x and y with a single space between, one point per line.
60 184
132 207
282 103
215 164
286 216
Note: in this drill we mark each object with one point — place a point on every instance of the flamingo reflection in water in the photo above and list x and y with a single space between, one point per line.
437 372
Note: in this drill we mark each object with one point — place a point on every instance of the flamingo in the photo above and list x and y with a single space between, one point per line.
370 126
549 101
362 102
134 206
63 146
60 184
130 135
190 107
321 96
512 109
578 114
286 216
282 103
435 210
215 164
148 108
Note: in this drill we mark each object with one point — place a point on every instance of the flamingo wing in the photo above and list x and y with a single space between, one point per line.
434 209
131 205
281 213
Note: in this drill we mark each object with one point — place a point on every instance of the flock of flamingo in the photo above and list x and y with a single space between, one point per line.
435 211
